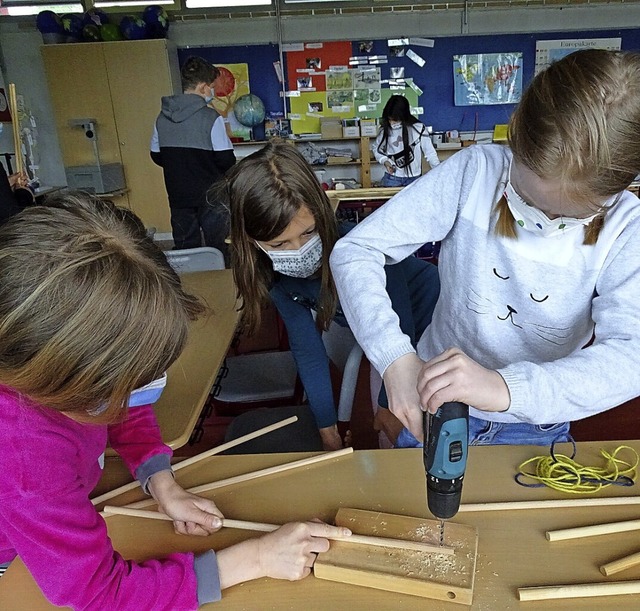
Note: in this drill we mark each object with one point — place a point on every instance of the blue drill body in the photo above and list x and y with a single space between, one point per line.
445 457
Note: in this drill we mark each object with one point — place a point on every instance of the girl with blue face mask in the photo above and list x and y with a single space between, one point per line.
401 144
283 230
536 324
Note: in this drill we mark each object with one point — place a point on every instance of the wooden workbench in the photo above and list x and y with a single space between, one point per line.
513 551
191 377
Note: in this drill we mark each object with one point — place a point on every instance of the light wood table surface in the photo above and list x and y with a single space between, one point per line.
190 378
513 551
355 195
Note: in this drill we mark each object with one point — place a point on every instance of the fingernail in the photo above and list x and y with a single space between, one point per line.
216 523
346 532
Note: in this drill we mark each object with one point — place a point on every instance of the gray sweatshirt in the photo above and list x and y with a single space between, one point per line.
525 307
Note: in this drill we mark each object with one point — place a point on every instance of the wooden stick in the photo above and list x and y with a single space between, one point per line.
611 568
579 590
15 124
550 504
194 459
262 527
245 477
592 531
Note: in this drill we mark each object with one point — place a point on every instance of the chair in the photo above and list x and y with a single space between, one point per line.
270 378
345 353
195 259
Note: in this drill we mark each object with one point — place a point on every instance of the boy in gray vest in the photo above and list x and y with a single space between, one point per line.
191 144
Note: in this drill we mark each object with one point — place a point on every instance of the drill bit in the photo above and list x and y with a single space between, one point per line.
441 533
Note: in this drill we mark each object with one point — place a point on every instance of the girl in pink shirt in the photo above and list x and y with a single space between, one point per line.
90 311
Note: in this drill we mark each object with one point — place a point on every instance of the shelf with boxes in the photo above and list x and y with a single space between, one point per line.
334 159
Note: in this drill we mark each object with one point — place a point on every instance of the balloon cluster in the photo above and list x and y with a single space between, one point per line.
95 26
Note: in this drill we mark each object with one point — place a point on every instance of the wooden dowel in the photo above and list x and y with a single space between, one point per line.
550 504
262 527
235 442
579 590
611 568
245 477
592 531
198 457
15 124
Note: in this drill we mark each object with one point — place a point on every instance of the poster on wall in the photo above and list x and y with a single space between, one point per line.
487 78
548 51
232 83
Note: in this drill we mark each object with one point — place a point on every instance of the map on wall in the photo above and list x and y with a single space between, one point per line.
487 78
548 51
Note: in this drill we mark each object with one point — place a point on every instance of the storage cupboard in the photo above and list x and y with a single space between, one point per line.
119 85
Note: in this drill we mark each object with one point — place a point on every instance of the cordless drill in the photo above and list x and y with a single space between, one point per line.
445 458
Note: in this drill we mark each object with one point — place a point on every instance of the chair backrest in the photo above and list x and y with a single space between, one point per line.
338 342
195 259
345 353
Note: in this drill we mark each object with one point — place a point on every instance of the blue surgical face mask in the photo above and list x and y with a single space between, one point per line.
209 99
300 263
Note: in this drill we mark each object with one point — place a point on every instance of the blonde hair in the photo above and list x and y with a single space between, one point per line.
264 193
579 123
90 309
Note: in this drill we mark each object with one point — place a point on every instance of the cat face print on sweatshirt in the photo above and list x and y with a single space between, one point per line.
528 312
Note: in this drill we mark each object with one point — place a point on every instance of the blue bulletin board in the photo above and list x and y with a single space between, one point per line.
435 79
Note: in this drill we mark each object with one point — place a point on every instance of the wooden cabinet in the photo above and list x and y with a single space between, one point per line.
119 84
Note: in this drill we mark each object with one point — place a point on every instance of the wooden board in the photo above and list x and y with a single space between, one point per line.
423 574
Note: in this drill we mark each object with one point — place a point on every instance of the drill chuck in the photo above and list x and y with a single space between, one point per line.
445 457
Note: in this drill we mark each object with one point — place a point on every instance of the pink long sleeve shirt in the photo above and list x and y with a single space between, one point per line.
50 464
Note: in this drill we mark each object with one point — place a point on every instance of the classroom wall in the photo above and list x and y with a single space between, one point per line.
20 44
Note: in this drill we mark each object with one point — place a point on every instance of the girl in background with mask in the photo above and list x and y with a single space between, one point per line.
540 254
401 143
283 230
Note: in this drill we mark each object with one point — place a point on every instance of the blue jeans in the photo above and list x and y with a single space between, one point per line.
487 433
389 180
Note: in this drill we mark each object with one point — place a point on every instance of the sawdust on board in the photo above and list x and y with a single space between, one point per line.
427 565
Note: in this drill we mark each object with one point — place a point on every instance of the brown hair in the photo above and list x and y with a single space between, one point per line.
264 192
196 70
90 309
579 123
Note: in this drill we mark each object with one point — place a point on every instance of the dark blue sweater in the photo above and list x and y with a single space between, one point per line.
413 286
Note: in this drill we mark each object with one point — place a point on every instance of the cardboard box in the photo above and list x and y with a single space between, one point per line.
369 127
350 128
330 128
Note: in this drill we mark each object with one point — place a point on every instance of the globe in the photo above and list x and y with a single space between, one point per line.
91 33
157 21
48 22
94 16
110 32
72 25
133 28
249 110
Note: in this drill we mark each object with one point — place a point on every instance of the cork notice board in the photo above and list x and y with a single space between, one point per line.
439 576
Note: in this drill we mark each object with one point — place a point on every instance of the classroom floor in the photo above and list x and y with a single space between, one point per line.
618 424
